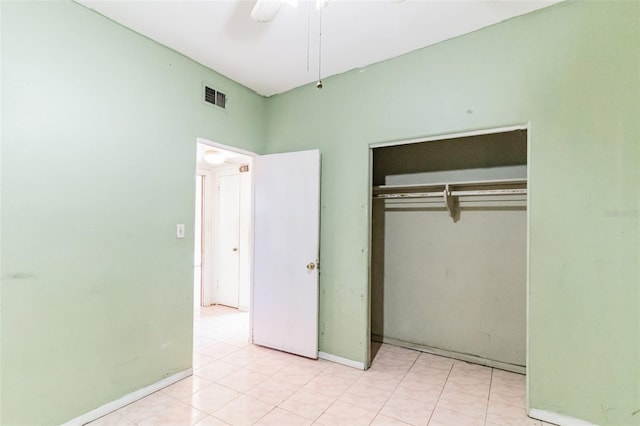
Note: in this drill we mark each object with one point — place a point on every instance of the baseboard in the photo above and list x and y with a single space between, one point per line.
557 419
340 360
128 399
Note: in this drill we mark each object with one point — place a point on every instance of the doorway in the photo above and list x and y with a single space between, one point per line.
223 245
449 246
233 245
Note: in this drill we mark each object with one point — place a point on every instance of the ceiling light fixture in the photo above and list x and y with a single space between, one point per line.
321 4
266 10
214 157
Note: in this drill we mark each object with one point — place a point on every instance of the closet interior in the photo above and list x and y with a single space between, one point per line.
448 247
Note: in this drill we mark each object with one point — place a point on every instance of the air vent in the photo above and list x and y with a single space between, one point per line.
215 97
221 99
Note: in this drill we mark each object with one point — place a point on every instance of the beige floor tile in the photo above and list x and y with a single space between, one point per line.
445 416
454 400
298 374
319 363
280 417
200 360
242 380
270 364
179 414
392 360
435 361
113 419
401 353
211 421
391 368
243 357
344 414
424 370
421 388
216 370
463 371
477 388
513 394
216 349
412 411
147 407
211 398
507 377
307 403
240 340
273 391
381 420
380 380
243 410
328 384
344 372
507 415
454 422
186 387
367 397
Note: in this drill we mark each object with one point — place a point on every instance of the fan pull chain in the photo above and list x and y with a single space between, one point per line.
319 83
308 32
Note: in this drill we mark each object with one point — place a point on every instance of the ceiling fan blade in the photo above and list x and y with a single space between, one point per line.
265 10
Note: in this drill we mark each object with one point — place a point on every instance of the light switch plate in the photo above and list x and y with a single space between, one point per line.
180 230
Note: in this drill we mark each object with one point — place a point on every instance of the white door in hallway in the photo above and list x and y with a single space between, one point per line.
229 240
286 239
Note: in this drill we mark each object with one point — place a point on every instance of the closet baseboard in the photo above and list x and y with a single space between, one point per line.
557 419
127 399
341 360
450 354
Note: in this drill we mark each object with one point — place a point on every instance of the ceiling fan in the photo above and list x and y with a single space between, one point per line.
266 10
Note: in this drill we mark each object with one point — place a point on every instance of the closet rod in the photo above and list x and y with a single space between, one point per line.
518 191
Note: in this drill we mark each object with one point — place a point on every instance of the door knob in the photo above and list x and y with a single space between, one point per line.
235 249
311 266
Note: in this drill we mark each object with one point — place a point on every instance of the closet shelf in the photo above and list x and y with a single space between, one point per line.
449 192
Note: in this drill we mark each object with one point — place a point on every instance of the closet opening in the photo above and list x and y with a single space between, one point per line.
448 270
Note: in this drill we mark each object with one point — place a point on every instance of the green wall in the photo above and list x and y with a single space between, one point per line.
99 129
97 164
572 72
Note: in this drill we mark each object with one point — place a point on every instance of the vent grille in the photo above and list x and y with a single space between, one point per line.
221 99
215 97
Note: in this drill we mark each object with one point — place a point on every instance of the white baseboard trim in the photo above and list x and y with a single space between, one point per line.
340 360
128 399
557 419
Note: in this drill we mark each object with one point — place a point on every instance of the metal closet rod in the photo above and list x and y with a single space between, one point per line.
510 187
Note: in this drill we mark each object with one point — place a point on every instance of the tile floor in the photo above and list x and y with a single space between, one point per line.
236 383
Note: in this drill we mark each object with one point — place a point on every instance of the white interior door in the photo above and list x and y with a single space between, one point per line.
286 237
229 240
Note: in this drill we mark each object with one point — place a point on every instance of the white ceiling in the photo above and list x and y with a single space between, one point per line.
274 57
